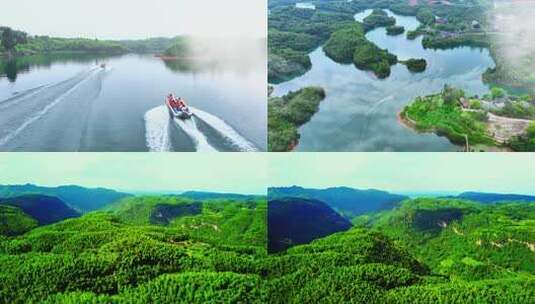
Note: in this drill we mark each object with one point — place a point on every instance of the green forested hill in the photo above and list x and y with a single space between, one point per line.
168 249
20 43
294 220
45 209
347 201
425 251
13 221
463 239
215 220
80 198
113 257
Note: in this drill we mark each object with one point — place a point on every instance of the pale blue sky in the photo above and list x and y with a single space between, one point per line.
252 173
414 172
227 172
122 19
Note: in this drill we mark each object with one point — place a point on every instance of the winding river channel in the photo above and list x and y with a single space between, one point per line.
360 110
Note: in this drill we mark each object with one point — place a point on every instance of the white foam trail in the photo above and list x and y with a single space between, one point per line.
190 127
224 129
157 130
22 96
378 104
43 112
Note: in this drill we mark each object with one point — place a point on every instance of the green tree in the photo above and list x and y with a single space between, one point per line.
497 92
8 39
451 95
425 16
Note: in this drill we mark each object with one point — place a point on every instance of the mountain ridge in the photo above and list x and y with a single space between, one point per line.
45 209
347 201
82 199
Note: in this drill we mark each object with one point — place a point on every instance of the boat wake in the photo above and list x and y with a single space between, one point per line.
157 130
190 127
20 96
29 110
159 139
225 130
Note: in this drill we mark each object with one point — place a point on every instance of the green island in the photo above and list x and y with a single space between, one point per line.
349 45
378 18
394 30
287 113
415 65
294 32
494 120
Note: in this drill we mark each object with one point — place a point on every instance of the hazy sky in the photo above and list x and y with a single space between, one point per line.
125 19
494 172
228 172
252 172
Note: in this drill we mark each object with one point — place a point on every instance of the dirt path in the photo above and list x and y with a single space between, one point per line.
504 128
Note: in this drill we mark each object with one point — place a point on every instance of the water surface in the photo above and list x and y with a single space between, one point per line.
50 103
360 110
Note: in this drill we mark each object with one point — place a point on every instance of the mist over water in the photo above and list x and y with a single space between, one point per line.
513 28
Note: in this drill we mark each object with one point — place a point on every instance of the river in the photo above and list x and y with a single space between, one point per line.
71 103
360 110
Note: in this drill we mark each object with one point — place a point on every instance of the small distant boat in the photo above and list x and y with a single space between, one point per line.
176 111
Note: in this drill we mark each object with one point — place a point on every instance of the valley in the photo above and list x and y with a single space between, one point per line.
420 250
134 249
337 244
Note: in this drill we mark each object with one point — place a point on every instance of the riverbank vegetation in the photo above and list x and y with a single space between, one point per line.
287 113
18 43
181 48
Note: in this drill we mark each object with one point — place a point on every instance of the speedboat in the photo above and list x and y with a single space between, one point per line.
182 113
